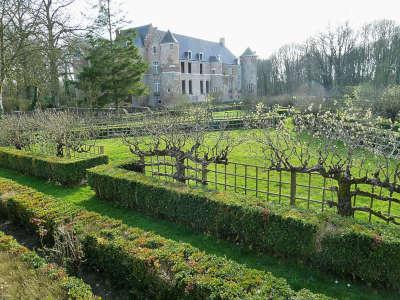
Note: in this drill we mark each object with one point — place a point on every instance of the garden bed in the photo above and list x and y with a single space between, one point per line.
342 245
66 171
147 264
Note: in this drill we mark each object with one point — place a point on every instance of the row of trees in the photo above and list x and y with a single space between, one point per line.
35 39
43 48
332 60
345 146
54 133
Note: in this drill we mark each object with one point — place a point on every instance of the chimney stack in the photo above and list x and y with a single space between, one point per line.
222 41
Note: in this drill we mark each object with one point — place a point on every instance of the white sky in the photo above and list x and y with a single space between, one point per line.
265 25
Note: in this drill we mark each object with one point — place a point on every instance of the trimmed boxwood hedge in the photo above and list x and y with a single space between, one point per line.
74 287
150 266
65 171
370 252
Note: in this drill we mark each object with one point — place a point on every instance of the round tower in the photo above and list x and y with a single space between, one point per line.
170 68
248 66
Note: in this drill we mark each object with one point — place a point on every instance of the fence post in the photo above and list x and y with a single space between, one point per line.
292 188
101 150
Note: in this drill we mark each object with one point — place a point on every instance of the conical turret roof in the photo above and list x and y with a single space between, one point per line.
169 38
248 52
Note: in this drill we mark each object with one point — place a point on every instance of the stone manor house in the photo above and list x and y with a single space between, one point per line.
183 67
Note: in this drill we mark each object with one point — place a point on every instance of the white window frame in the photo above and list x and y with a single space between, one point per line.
156 66
201 56
156 86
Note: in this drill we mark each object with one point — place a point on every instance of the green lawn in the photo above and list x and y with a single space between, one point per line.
19 281
297 275
309 187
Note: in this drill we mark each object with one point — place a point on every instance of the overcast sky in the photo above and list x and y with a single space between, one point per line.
263 25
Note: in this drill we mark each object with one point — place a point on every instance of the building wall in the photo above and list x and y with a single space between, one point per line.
248 65
165 81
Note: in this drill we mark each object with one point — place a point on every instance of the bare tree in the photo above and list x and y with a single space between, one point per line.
56 29
65 131
18 23
182 137
18 131
311 143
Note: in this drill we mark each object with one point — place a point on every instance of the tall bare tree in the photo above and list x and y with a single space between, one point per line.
56 29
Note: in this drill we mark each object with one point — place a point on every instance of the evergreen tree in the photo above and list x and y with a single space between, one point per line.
114 71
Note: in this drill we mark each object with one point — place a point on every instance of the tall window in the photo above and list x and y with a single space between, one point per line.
156 84
201 68
156 66
183 87
154 50
207 87
201 56
182 67
201 87
189 55
189 68
190 88
250 87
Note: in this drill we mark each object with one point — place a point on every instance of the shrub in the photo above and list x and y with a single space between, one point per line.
389 104
228 216
74 288
342 245
149 265
65 171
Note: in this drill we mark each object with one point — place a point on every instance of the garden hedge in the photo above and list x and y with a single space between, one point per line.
74 287
370 252
150 266
65 171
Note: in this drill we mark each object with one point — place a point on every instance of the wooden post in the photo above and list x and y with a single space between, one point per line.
292 188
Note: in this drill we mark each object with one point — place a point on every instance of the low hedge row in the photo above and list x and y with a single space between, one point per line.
342 245
73 287
152 267
68 172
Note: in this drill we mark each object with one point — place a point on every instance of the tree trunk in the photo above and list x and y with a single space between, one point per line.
1 99
344 198
180 169
204 172
60 150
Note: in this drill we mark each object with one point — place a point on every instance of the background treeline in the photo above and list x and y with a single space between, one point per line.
51 56
363 63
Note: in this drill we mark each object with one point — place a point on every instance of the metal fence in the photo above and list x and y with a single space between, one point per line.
304 190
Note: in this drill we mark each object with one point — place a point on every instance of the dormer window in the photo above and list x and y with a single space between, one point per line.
171 46
219 57
189 54
200 55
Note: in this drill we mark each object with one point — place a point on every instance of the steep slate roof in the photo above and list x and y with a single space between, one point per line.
169 38
141 33
210 49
